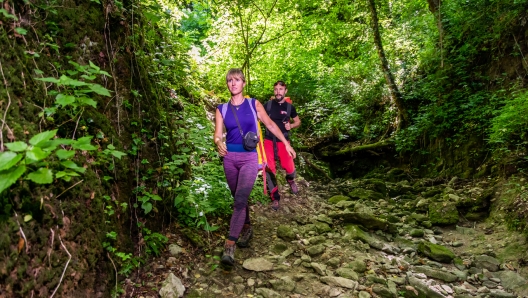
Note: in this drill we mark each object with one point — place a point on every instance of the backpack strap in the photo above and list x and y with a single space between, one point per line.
268 107
288 110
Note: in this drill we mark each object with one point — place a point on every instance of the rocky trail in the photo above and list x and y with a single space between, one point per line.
354 238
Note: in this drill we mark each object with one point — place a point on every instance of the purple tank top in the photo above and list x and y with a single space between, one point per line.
245 118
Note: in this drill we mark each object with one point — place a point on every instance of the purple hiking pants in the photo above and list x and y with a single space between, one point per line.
241 169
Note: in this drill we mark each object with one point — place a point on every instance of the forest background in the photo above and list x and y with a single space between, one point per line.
106 106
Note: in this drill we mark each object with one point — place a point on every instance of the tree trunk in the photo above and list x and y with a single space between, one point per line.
393 89
434 7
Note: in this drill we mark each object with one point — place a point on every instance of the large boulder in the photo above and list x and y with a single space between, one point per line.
365 219
443 213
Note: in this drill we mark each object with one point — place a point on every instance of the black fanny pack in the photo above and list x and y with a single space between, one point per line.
251 141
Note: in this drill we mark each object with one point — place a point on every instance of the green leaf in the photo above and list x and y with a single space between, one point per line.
67 81
41 176
66 175
64 100
100 90
118 154
42 137
7 178
49 79
90 78
87 101
8 160
8 15
17 146
64 154
155 197
21 31
147 207
36 154
38 71
84 144
71 165
94 66
27 217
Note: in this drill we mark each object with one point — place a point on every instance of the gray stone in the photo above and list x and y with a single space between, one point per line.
267 293
437 274
257 264
339 282
364 294
319 268
285 283
172 287
486 262
175 250
382 291
501 294
358 266
424 289
510 279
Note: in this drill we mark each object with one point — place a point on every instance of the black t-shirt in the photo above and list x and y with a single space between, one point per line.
278 114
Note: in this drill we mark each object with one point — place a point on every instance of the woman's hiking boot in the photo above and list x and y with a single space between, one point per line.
293 187
245 236
275 205
228 258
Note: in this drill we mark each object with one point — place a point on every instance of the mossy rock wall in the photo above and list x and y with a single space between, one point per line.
69 222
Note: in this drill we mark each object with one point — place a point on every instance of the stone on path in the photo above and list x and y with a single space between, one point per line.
340 282
424 288
172 287
487 262
510 279
285 232
175 250
268 293
257 264
436 252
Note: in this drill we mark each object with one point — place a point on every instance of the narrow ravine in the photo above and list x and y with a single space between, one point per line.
355 238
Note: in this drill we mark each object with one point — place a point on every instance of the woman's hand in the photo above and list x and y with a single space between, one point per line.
221 148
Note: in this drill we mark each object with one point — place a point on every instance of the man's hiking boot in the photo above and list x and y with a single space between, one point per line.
293 186
275 205
228 258
245 236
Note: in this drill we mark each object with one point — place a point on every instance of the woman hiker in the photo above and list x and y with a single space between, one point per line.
240 159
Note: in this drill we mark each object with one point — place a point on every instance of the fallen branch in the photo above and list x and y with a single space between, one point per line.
67 190
65 267
115 268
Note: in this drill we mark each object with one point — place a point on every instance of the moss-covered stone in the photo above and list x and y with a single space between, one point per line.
285 232
443 213
338 198
365 194
436 252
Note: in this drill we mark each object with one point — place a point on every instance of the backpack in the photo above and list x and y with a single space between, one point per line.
288 107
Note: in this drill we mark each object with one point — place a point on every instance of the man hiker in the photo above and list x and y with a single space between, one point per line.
282 113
